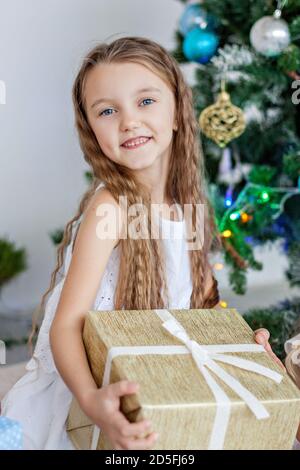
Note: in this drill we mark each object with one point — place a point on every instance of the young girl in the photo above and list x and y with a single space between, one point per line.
138 132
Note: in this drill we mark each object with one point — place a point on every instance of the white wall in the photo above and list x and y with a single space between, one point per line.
41 173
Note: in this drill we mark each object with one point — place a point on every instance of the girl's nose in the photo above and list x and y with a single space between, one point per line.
129 121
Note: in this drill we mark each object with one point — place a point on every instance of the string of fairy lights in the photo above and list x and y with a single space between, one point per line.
252 198
253 201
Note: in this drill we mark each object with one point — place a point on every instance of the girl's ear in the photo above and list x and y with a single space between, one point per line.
175 126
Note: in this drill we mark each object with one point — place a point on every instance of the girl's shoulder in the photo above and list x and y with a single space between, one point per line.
105 211
101 195
92 248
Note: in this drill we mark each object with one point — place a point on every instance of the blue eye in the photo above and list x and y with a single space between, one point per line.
102 113
148 99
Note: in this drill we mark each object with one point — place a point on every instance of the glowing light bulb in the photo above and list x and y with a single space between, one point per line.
218 266
227 233
228 197
265 196
234 216
245 217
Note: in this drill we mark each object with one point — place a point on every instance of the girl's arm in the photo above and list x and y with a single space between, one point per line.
89 259
87 266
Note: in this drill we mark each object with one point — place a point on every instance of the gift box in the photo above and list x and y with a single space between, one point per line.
10 434
204 382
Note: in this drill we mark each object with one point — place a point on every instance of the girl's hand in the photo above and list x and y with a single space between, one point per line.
102 406
262 336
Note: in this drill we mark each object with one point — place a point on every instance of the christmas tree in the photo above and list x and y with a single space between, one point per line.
246 95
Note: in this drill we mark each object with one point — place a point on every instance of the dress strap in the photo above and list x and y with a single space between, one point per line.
99 185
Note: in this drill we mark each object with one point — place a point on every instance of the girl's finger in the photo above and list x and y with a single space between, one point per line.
268 347
120 423
273 355
123 387
276 359
140 444
135 429
262 335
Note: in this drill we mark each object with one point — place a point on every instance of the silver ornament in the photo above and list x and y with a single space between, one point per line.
270 35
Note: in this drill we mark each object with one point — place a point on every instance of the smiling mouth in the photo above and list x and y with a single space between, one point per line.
136 145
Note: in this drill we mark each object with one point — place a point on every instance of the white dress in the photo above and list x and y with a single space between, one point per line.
40 400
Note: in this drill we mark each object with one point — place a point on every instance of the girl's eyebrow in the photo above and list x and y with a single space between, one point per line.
142 90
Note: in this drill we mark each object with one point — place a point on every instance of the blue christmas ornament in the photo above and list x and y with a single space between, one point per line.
195 16
200 45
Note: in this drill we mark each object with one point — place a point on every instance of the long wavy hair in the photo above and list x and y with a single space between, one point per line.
142 277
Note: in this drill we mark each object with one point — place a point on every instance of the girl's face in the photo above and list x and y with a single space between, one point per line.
125 101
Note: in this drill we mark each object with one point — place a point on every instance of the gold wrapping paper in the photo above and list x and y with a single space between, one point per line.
173 394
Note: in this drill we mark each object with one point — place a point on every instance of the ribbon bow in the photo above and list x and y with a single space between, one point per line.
205 357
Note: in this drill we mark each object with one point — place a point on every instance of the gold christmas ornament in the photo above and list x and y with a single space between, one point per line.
222 121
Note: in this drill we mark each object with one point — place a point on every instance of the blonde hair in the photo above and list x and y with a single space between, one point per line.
142 272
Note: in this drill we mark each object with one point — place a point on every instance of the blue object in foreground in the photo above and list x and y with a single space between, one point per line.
10 434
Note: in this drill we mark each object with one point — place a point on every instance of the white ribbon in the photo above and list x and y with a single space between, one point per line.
204 357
